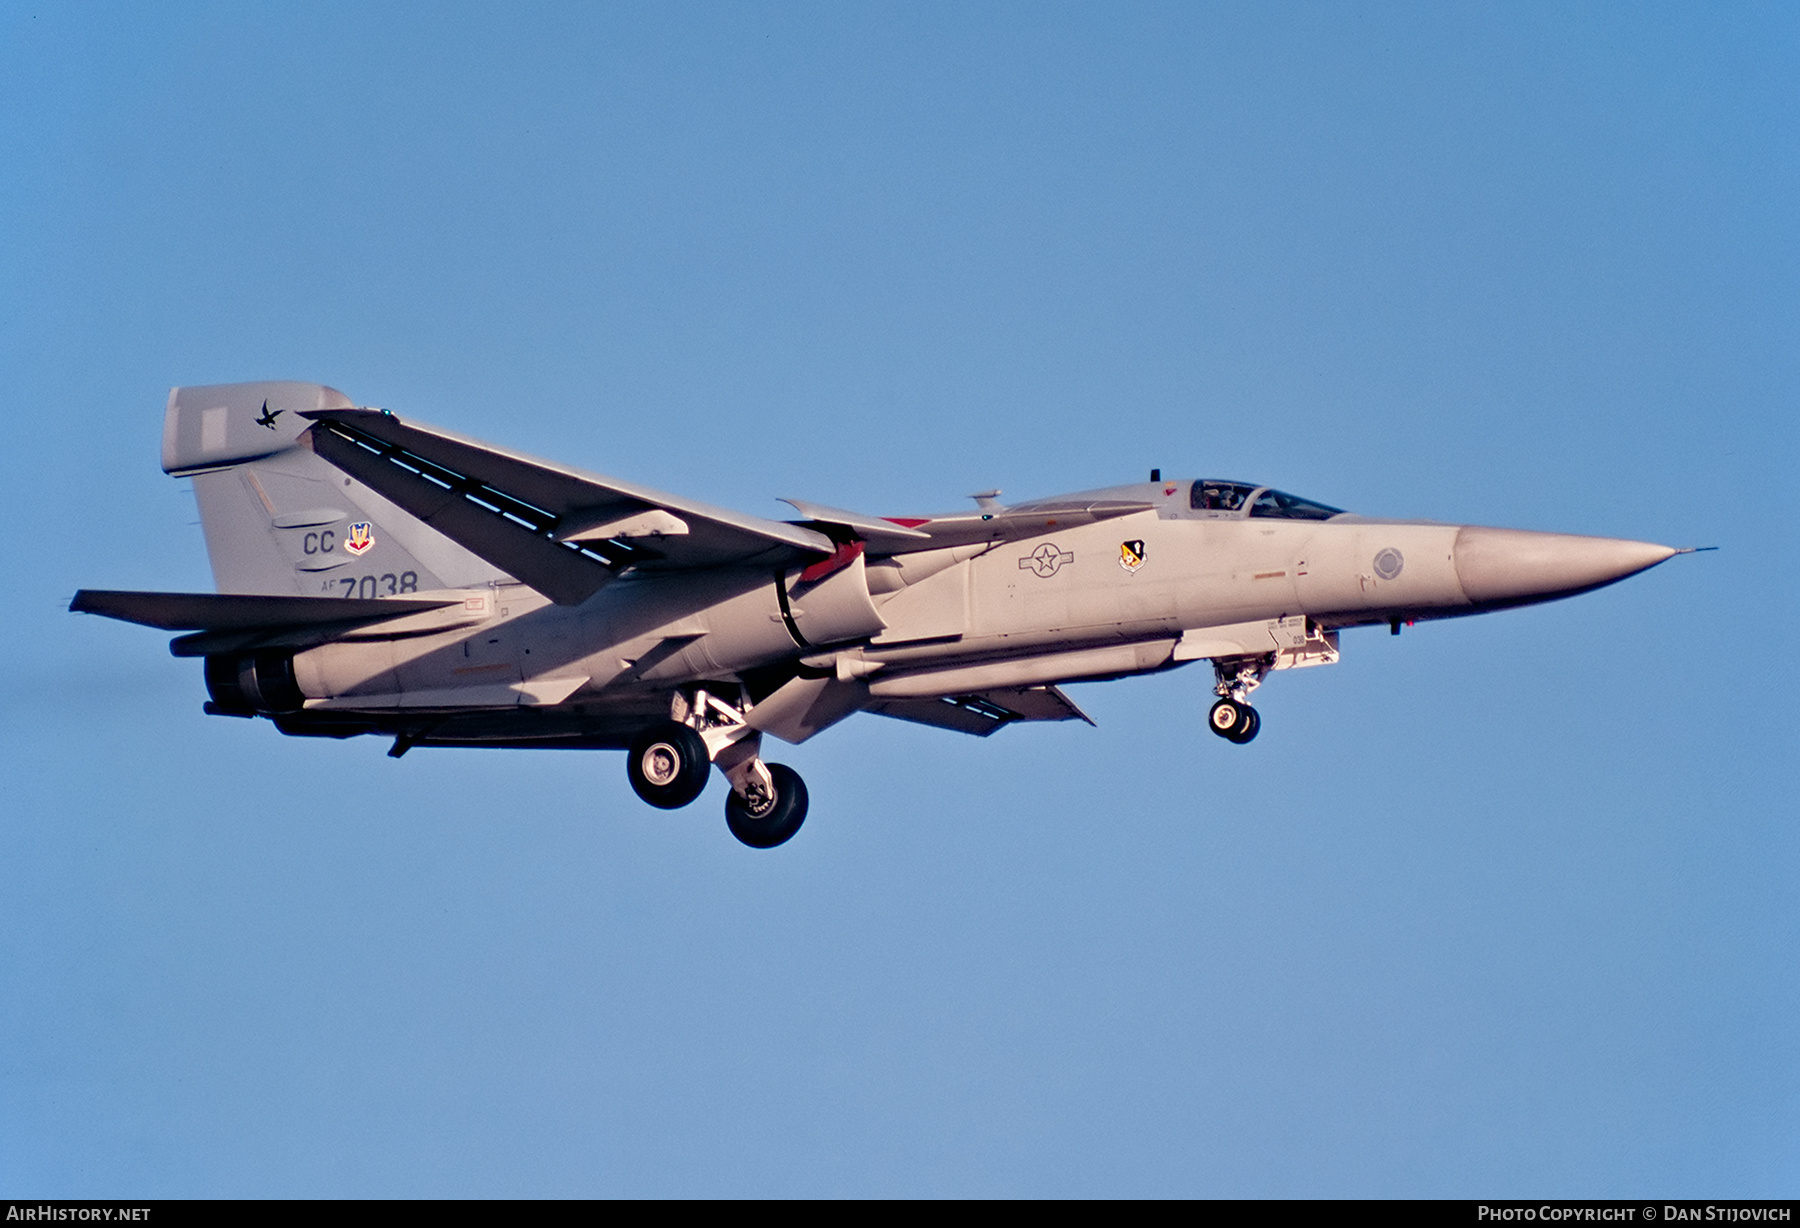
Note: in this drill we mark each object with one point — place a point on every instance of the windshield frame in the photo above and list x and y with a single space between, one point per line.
1240 512
1250 493
1288 510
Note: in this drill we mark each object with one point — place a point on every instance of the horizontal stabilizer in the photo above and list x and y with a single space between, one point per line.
983 713
241 611
563 532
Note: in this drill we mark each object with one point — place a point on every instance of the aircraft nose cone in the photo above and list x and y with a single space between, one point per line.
1516 567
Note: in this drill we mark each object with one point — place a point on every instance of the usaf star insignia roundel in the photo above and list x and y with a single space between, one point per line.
1046 559
1131 555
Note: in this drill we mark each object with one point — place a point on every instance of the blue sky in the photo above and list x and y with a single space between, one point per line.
1501 907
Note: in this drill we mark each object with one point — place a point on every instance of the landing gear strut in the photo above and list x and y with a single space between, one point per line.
670 761
1232 718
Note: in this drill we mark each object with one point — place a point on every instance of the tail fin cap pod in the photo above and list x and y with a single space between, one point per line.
211 426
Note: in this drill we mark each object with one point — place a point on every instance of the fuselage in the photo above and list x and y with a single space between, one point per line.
380 576
1081 600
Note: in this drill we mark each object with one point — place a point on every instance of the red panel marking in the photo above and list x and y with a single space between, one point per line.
842 557
908 522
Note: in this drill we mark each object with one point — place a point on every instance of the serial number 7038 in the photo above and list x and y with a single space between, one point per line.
385 585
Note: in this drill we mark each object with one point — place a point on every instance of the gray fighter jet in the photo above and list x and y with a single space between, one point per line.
380 576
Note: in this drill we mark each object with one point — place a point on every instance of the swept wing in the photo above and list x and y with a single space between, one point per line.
562 531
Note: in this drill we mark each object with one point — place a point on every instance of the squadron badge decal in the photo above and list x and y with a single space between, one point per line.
1131 555
361 539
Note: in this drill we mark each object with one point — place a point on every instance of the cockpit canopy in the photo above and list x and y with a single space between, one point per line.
1230 498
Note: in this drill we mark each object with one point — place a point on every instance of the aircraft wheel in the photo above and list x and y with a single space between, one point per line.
668 765
776 821
1227 717
1251 724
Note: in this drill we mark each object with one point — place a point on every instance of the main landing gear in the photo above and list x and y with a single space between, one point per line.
1232 718
669 763
764 818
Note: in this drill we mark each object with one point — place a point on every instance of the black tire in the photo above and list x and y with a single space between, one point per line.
1252 723
779 820
668 765
1226 718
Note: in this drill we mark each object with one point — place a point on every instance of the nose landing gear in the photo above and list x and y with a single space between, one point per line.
1232 718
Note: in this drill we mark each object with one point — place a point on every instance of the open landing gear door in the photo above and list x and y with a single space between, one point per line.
981 714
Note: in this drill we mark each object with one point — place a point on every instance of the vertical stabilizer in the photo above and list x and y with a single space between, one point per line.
280 520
